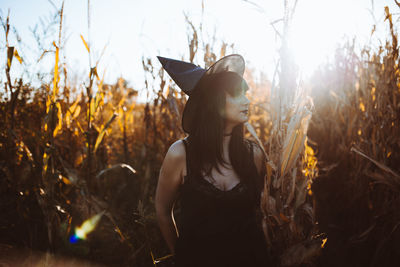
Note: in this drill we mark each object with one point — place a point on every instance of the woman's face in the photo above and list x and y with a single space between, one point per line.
236 107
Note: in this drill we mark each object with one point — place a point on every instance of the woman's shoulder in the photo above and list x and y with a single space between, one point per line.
177 150
174 161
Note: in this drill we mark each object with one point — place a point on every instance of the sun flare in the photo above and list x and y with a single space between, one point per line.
319 26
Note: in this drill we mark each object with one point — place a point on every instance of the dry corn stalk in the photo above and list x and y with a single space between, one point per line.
288 215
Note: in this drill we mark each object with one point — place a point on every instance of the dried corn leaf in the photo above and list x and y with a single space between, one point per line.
45 163
254 134
17 56
59 120
85 43
301 193
56 74
294 140
380 165
10 55
292 187
103 131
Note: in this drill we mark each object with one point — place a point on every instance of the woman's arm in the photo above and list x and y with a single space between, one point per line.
170 178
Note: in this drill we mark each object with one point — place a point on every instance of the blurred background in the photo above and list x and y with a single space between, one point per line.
87 115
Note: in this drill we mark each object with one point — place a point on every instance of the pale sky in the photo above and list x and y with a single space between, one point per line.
135 28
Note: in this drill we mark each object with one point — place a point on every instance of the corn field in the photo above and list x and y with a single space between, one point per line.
79 163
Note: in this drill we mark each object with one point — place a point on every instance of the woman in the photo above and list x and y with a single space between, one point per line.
215 173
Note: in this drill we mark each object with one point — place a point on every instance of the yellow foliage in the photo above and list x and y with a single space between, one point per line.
79 159
85 43
362 107
65 180
103 131
10 54
56 75
45 162
59 120
294 140
48 102
16 55
99 98
324 242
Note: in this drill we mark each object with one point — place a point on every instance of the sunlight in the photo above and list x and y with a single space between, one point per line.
319 26
86 228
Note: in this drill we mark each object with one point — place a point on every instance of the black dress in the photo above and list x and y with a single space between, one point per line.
216 227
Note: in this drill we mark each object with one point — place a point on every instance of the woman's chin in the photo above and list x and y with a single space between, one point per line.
239 121
242 121
245 118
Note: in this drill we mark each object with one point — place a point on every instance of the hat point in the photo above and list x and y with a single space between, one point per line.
163 60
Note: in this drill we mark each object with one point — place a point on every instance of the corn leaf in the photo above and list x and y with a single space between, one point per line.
45 163
380 165
91 108
120 120
10 54
76 112
85 43
98 100
68 119
56 75
103 131
59 120
16 55
294 142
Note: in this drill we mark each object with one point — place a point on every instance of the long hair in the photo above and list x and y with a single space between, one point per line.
206 136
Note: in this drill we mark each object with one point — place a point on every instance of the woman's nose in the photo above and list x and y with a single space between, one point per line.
246 100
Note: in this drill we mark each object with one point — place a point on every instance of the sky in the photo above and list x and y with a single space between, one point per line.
132 29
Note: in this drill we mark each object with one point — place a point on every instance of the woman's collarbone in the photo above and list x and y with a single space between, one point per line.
225 180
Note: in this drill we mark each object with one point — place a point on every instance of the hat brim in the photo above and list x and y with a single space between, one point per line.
231 63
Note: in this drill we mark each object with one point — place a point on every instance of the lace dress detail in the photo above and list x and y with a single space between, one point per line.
217 227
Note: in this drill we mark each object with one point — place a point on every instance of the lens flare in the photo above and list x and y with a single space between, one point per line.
86 228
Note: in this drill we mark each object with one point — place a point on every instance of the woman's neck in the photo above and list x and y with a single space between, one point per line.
225 147
228 128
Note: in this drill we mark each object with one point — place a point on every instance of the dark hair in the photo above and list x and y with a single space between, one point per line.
206 136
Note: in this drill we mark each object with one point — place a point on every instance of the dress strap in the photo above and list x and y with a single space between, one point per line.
187 158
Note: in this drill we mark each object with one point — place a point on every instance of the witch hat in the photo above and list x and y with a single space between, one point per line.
187 75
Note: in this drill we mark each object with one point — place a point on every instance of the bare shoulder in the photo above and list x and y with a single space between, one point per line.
170 177
177 150
175 159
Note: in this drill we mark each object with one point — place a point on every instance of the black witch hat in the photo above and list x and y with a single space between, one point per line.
187 75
